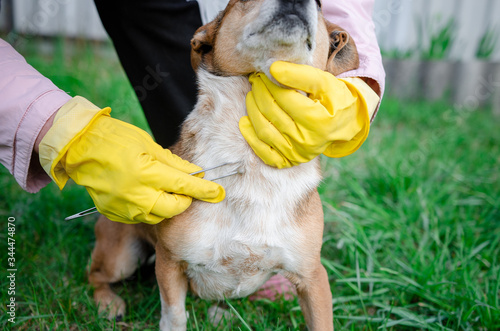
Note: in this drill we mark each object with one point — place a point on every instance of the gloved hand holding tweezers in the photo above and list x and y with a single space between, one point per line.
130 178
94 210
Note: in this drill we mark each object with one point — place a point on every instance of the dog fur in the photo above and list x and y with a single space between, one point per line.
271 220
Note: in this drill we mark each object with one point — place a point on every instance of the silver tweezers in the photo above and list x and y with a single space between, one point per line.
93 210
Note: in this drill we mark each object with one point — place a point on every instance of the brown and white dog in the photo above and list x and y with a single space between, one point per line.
271 220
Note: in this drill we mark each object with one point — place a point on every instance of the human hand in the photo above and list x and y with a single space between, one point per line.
285 128
130 178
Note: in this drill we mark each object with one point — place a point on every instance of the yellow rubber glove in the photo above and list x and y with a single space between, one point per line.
285 128
131 178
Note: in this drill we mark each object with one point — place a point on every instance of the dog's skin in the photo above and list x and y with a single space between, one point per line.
271 220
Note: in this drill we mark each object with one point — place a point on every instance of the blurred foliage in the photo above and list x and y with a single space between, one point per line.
487 45
441 40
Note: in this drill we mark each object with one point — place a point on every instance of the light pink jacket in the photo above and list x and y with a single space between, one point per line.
27 99
355 16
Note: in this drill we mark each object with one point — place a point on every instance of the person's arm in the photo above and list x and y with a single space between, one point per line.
27 102
356 18
129 176
46 127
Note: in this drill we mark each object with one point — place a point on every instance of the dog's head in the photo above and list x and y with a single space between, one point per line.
249 35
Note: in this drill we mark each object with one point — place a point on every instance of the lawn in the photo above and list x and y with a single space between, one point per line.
411 242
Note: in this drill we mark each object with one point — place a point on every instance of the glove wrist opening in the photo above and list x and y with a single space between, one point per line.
71 121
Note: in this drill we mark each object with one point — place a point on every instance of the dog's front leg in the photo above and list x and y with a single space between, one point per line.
315 298
173 287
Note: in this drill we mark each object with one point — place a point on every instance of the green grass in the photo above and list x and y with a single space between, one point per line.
412 236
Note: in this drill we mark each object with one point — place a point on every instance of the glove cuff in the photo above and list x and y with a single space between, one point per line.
371 98
367 103
71 121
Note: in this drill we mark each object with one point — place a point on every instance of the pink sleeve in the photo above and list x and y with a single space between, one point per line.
27 100
355 16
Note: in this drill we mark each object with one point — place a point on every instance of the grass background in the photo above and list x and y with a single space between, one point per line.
412 236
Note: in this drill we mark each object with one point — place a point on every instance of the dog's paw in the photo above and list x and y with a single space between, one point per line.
110 304
115 309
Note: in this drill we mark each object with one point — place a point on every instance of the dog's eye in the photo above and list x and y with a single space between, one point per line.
318 2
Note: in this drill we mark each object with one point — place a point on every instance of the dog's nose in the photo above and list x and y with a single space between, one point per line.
294 5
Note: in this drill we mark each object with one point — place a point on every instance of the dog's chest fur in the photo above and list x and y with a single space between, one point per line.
232 247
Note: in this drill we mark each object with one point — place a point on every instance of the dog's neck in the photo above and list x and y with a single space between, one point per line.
211 137
213 124
217 92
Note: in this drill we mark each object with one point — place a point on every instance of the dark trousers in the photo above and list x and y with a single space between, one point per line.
152 39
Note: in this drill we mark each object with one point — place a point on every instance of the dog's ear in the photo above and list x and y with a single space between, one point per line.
343 55
202 44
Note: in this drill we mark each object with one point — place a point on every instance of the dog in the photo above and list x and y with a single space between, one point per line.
271 220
